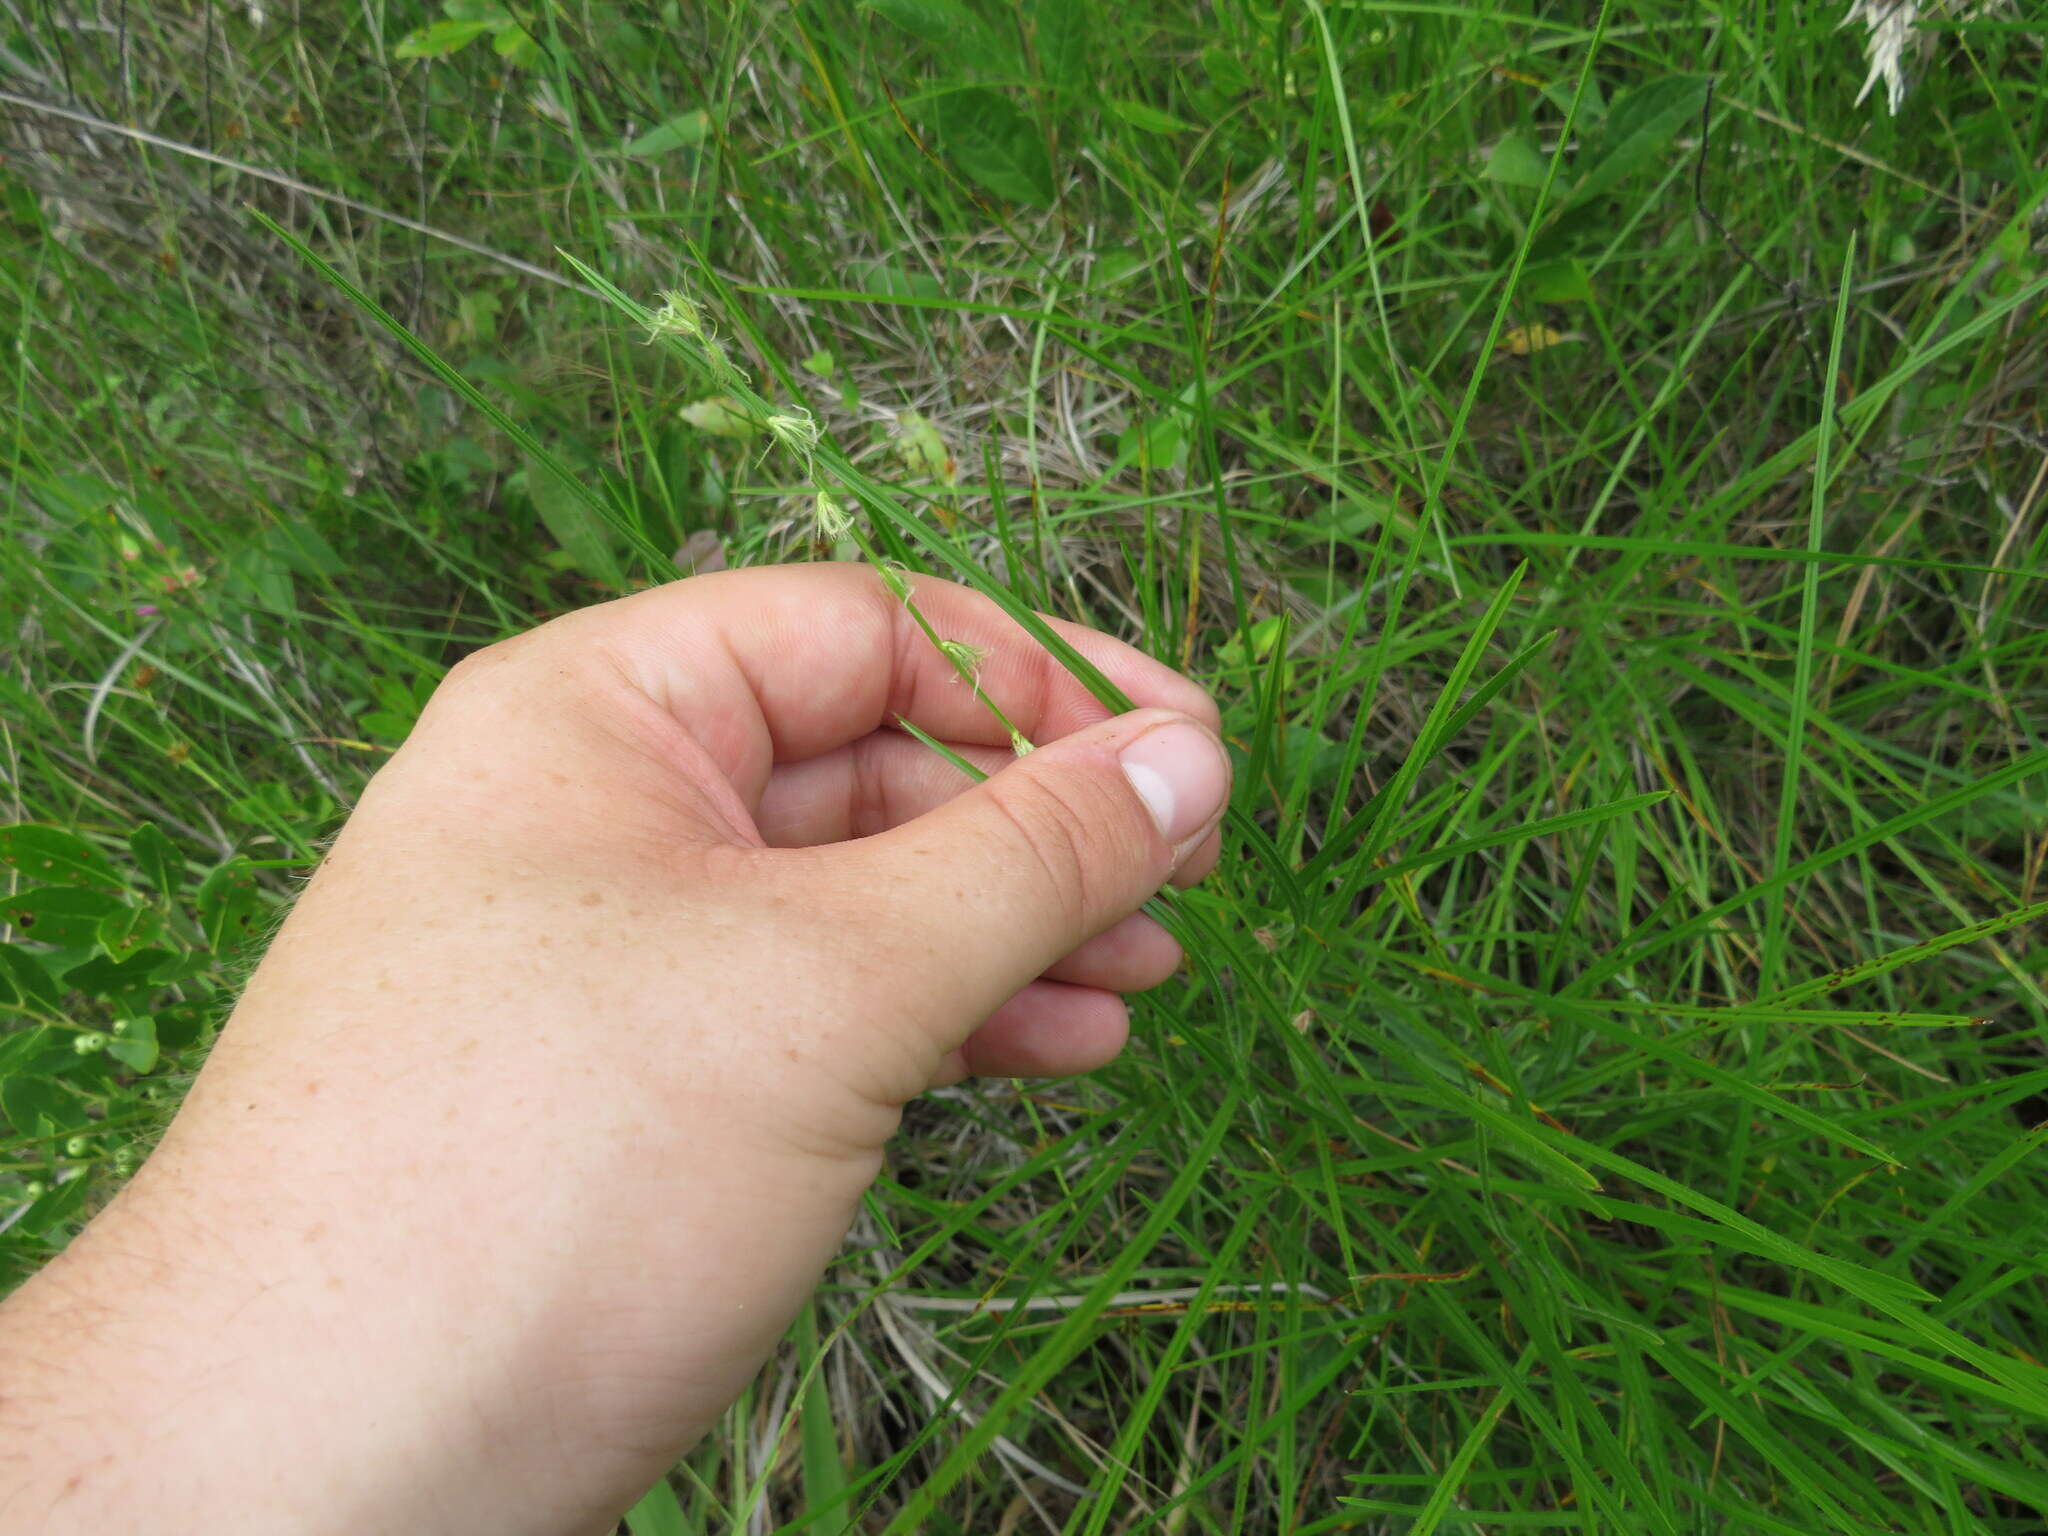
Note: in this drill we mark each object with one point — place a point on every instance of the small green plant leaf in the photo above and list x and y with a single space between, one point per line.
578 529
677 133
1159 442
994 145
36 1106
48 856
1148 119
516 46
134 1044
24 985
59 1203
1641 124
438 39
1562 281
1515 162
923 450
156 856
230 906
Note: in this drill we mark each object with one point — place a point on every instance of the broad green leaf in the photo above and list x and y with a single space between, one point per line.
179 1025
898 282
63 915
24 985
36 1106
579 530
1161 442
1641 124
994 145
19 1047
952 31
128 981
1515 162
69 498
1060 37
127 929
300 546
438 39
59 1203
1225 72
48 856
677 133
1148 119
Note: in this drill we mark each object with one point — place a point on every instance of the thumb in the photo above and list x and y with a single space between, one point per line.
1007 878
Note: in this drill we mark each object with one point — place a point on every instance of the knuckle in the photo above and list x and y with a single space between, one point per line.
1049 823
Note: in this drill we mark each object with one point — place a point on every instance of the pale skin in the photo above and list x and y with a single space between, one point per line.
557 1090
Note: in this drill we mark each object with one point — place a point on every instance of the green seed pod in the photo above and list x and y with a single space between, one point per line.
78 1146
90 1043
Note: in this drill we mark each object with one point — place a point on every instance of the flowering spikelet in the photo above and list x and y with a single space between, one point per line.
966 659
895 578
834 521
679 315
682 318
795 430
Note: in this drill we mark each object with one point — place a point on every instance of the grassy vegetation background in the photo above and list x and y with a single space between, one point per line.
1607 1089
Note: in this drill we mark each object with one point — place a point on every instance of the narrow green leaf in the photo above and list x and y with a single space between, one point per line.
659 1513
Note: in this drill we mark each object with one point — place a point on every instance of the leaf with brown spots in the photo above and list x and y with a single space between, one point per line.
47 856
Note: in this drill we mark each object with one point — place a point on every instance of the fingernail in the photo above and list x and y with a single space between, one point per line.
1181 774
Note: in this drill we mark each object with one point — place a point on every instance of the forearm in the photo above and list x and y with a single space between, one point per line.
188 1367
295 1321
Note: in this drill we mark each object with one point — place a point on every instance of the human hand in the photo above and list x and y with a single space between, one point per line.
559 1087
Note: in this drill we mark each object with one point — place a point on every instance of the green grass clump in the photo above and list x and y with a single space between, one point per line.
1595 461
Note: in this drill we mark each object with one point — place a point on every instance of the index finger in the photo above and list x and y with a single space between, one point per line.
781 663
